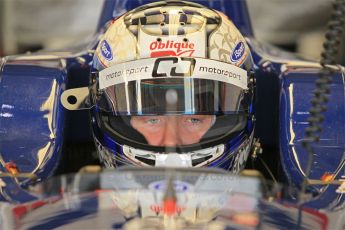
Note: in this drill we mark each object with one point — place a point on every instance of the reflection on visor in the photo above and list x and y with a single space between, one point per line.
172 96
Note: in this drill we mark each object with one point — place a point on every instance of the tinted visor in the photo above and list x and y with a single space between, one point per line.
172 85
172 96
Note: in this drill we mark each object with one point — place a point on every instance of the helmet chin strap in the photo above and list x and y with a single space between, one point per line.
173 160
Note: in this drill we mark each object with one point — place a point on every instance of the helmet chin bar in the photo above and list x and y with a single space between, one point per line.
199 158
190 159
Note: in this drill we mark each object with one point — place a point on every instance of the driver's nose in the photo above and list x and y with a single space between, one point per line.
170 134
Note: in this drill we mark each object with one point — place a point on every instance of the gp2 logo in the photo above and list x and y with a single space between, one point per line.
182 61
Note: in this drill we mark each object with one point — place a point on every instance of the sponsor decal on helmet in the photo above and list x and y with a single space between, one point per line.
188 45
171 48
106 50
179 67
238 52
242 155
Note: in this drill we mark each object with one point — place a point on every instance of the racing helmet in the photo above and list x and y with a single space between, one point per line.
171 85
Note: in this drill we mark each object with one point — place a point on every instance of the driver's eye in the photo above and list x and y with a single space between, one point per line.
193 121
152 121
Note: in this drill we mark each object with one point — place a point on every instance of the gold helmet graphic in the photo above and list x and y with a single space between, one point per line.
171 29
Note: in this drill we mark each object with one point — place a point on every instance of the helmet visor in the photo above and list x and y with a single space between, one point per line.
172 85
172 102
